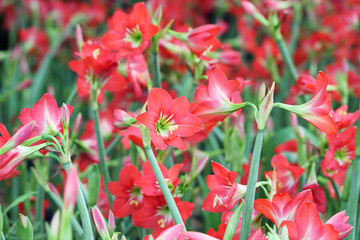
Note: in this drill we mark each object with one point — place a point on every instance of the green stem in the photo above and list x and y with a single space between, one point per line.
287 58
155 67
84 211
39 206
164 187
352 206
101 150
251 187
113 144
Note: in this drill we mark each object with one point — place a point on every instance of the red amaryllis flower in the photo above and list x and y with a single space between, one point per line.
307 225
97 66
130 34
128 196
169 120
203 39
339 155
155 214
317 110
219 98
282 207
344 119
287 175
46 114
148 183
225 192
177 232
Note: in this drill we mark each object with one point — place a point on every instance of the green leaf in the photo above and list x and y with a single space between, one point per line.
94 184
18 200
233 222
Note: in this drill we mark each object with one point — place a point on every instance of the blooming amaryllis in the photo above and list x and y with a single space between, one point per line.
169 120
317 110
219 98
130 33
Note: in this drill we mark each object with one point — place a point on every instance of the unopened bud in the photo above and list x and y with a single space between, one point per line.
71 189
77 123
79 37
250 8
262 92
122 119
65 117
265 108
111 222
24 84
100 223
24 228
19 137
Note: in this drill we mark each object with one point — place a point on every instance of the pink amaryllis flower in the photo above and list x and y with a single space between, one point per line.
47 116
225 192
169 120
307 225
219 98
317 110
130 33
203 39
282 207
176 232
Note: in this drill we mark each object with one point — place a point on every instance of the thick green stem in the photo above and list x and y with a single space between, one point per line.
251 187
101 150
39 206
164 187
155 67
287 58
83 210
352 206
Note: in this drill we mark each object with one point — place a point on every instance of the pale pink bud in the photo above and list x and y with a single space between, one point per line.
55 224
204 159
79 36
77 123
122 119
71 189
111 222
19 137
23 220
53 189
65 117
250 8
24 84
100 223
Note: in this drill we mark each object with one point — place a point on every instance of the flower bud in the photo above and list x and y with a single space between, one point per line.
265 108
77 124
65 117
100 223
19 137
52 231
122 119
79 37
71 189
24 229
111 222
250 8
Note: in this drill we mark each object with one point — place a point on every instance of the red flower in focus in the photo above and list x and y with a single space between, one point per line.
128 196
317 110
287 175
225 192
307 225
46 114
169 120
203 39
148 183
97 66
155 214
339 155
282 207
344 119
219 98
130 34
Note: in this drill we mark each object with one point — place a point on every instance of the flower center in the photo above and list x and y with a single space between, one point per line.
165 126
134 36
